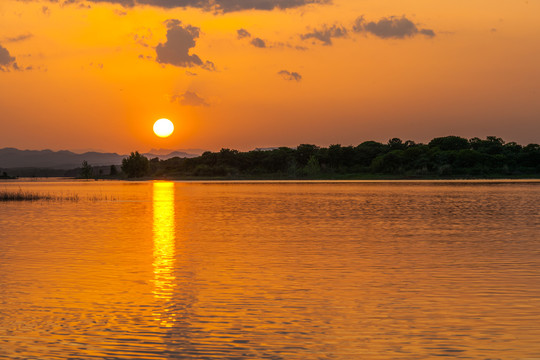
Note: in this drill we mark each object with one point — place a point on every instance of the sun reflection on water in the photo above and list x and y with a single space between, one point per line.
164 248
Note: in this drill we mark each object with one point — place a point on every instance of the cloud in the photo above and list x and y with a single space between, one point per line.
143 37
427 32
326 34
391 27
243 33
258 42
19 38
213 5
290 76
175 51
7 62
190 98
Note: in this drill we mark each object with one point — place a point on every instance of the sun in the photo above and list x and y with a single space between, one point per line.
163 128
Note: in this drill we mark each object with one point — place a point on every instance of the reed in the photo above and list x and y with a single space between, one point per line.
22 195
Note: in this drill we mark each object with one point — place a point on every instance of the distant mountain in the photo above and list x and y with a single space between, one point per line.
63 159
169 151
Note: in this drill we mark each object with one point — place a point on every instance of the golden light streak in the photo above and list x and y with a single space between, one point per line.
164 248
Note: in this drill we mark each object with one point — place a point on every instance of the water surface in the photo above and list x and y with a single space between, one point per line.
275 270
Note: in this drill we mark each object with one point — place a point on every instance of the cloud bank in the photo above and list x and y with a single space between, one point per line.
211 5
391 27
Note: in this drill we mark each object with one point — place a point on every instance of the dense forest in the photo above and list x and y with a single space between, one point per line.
443 157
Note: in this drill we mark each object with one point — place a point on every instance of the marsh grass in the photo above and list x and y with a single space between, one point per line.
101 197
23 195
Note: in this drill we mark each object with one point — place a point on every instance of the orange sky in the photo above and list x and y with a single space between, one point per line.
97 74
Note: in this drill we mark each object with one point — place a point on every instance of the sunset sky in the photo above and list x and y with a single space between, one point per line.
96 74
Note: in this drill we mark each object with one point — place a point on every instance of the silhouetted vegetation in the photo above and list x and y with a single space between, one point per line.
443 157
86 170
136 165
21 195
5 175
24 195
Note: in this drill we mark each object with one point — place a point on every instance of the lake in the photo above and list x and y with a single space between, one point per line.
271 270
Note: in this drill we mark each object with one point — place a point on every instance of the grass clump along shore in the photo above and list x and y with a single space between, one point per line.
21 195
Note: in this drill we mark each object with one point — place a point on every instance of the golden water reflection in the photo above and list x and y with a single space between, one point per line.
164 248
296 271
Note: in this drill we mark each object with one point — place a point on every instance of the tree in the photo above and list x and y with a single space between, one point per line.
86 170
450 143
367 151
492 145
396 144
113 171
312 167
304 153
136 165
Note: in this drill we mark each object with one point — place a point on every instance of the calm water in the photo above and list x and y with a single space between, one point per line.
359 270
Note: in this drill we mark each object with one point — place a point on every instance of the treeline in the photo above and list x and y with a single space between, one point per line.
449 156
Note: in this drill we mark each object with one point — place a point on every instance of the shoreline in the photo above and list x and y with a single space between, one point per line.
281 179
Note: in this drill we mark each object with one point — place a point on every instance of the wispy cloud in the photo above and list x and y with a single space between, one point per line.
18 38
326 34
190 98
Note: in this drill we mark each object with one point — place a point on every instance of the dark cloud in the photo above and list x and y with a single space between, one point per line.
427 32
213 5
190 98
258 42
242 33
391 27
7 62
239 5
290 76
175 51
326 34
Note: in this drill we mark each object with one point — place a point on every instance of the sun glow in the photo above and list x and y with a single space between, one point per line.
163 127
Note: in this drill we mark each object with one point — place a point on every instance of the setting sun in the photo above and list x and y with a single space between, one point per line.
163 128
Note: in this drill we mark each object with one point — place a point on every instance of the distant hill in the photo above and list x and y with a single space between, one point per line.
63 159
169 151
